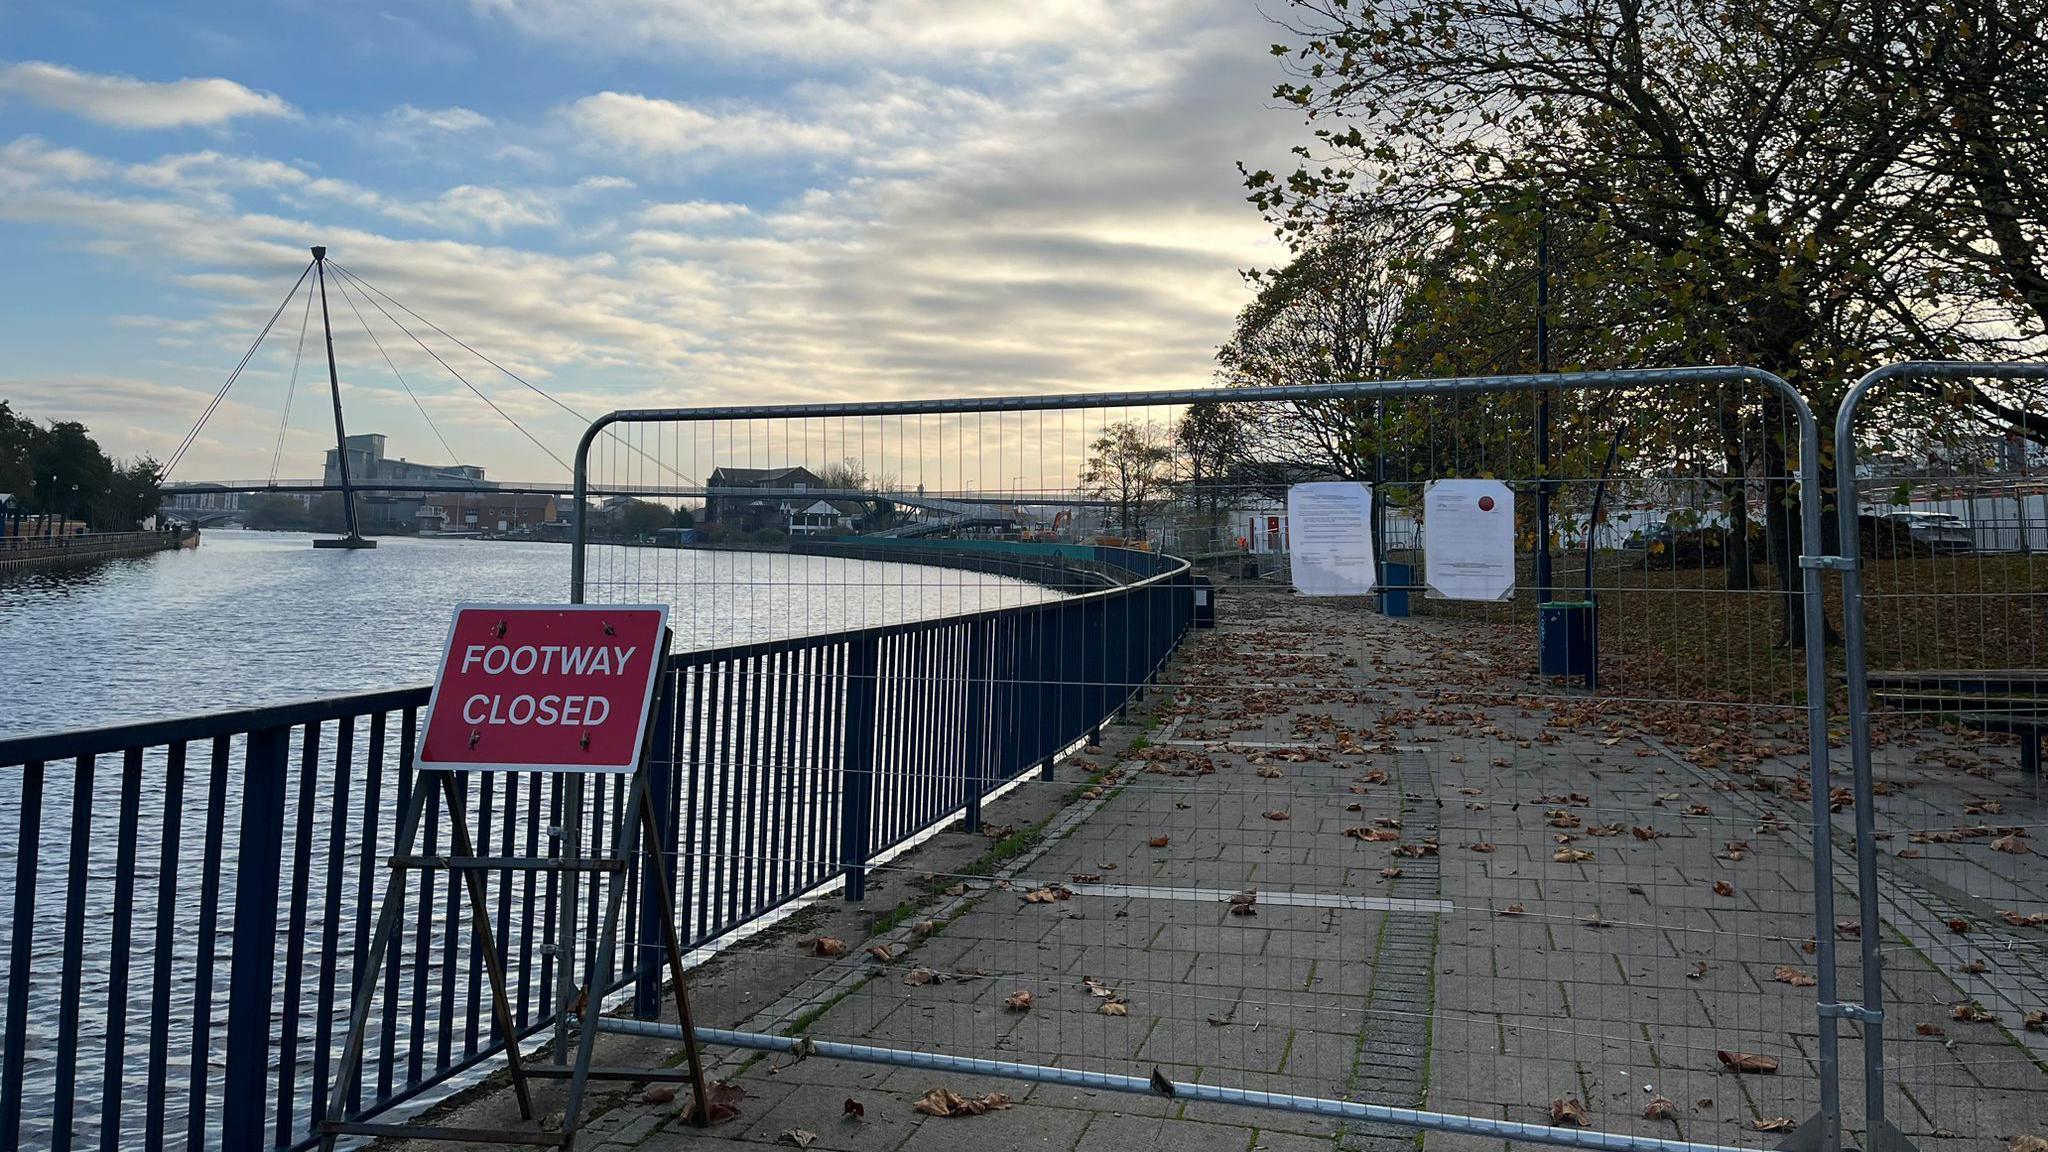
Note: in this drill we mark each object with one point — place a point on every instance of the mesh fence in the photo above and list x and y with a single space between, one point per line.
1949 610
1382 847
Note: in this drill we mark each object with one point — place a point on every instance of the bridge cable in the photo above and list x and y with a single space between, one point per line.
431 426
213 404
284 418
543 393
465 380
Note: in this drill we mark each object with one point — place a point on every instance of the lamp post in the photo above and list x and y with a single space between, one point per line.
1543 398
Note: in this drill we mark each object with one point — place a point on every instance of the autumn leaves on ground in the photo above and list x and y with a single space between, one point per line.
1345 856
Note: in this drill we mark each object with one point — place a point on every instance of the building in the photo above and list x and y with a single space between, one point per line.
751 499
489 512
825 517
369 466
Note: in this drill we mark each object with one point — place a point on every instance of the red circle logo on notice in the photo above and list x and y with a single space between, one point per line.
1486 503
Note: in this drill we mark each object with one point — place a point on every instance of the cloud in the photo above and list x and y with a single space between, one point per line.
455 119
31 158
1070 227
125 102
959 32
692 212
649 127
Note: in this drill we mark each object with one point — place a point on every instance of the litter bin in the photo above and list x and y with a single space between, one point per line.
1566 642
1394 582
1205 602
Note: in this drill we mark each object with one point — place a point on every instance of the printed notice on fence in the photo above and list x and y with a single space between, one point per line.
1469 540
550 688
1329 538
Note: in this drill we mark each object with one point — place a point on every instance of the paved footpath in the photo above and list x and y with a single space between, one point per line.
1345 857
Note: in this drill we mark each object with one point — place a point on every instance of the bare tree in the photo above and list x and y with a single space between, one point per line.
1129 469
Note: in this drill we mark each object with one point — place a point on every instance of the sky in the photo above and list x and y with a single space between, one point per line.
627 202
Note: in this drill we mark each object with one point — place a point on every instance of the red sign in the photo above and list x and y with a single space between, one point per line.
561 688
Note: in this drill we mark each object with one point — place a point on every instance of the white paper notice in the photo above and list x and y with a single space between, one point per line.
1469 539
1329 538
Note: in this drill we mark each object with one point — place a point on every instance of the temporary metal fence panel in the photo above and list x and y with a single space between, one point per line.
1940 473
1352 859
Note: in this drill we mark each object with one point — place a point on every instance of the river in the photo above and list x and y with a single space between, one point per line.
252 618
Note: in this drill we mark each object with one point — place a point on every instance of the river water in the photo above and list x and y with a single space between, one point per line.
252 618
255 618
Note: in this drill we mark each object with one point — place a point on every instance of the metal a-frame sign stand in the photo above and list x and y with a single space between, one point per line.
636 820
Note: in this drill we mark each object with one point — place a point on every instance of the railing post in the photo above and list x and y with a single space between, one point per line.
1094 667
980 683
252 971
857 797
653 944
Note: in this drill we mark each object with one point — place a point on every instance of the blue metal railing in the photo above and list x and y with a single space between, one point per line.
186 929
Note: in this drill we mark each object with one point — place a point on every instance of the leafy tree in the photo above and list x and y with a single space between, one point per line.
18 436
643 518
271 511
684 518
1212 439
60 470
1757 174
1128 468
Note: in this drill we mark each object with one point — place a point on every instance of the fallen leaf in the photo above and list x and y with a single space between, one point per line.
2035 1021
1568 1111
1642 833
1114 1008
1959 926
1571 855
946 1102
2027 1143
1930 1030
2012 844
1482 846
1775 1124
802 1138
1096 987
1382 834
658 1094
1974 968
1660 1109
1087 877
881 952
856 1109
1018 1001
1160 841
1747 1062
1511 910
1270 772
1279 814
1797 977
724 1102
1970 1012
1698 970
1723 888
919 977
823 945
926 927
1390 873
